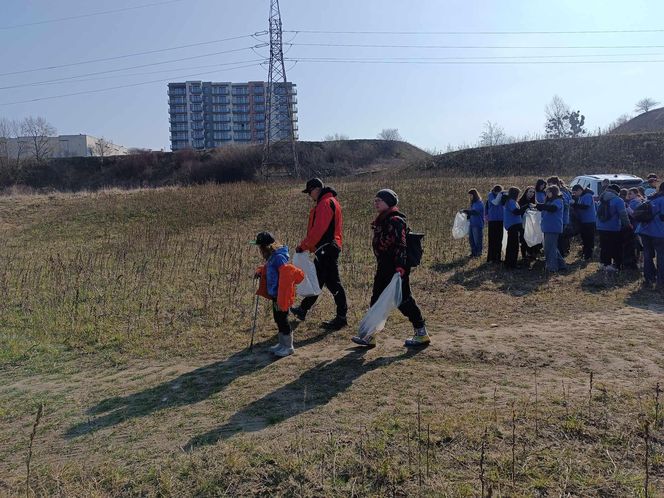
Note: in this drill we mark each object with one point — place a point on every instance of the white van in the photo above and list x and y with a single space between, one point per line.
594 182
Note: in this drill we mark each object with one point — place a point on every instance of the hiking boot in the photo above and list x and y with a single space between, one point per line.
286 348
419 340
337 323
298 313
369 343
278 345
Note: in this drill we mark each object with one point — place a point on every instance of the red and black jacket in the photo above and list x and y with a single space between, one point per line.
325 222
389 238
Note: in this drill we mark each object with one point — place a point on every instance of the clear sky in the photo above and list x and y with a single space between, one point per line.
432 104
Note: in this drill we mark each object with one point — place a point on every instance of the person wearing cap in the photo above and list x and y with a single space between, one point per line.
389 247
650 185
652 237
583 205
275 256
612 220
324 240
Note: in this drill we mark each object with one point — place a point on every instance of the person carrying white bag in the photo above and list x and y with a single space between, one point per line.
390 232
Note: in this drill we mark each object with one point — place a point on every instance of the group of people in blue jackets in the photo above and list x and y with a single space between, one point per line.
628 222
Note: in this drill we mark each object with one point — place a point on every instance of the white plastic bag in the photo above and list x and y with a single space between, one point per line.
374 320
309 286
532 228
461 226
504 241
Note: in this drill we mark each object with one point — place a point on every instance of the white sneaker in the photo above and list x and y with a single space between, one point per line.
286 348
278 345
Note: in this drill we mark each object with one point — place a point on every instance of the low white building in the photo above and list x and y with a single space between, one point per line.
60 146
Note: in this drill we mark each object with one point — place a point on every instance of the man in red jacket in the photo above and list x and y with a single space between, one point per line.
324 241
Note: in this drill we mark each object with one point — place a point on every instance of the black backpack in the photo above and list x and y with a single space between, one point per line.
414 249
644 213
604 211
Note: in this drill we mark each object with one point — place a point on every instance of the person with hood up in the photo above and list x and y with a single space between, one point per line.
583 204
612 220
652 237
389 247
494 214
513 222
476 216
275 256
552 226
324 240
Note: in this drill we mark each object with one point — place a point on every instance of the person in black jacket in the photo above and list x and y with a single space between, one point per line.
528 253
389 247
513 222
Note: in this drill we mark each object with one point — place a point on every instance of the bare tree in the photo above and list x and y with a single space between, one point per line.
102 148
38 131
390 134
619 121
493 134
11 144
556 112
644 105
4 142
335 137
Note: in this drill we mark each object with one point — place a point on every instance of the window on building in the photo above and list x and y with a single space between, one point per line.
259 90
259 99
220 90
240 100
196 107
217 99
259 108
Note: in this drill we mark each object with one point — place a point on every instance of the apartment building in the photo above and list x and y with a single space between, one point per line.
205 115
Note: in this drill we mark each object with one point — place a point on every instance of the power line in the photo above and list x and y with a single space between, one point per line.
433 62
125 56
69 78
98 90
480 57
92 14
580 32
522 47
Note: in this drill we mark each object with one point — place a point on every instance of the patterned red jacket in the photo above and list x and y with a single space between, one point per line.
389 238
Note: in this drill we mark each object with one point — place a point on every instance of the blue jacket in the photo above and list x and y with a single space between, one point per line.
617 213
540 197
567 200
278 259
552 215
494 212
509 217
584 207
654 228
477 220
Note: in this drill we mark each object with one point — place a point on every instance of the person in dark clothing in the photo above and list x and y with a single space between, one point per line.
493 211
584 208
528 253
513 222
389 247
324 240
476 216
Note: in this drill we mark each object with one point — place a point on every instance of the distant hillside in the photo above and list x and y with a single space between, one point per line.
227 164
634 153
648 122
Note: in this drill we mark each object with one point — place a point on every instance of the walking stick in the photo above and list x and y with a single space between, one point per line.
253 327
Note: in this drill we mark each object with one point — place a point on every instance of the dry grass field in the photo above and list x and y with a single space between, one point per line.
126 316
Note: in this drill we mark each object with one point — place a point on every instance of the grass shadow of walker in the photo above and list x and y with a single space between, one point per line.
189 388
322 383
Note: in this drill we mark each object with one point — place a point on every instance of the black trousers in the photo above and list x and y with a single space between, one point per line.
327 271
281 319
514 236
408 308
610 247
495 241
587 232
564 240
629 248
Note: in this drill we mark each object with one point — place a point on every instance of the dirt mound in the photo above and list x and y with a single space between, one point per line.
648 122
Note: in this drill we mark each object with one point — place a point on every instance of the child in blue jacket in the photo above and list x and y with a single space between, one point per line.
612 221
583 205
552 226
652 238
276 256
476 216
513 223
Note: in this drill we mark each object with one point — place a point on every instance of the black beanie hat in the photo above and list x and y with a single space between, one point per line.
388 196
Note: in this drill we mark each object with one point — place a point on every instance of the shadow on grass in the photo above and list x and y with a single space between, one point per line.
647 299
451 265
601 280
315 387
189 388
